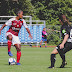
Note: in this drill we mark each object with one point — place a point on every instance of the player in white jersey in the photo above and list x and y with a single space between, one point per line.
12 34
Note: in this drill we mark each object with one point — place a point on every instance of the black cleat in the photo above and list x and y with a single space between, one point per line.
51 67
63 64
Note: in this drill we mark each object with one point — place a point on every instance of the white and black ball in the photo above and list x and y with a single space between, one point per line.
12 61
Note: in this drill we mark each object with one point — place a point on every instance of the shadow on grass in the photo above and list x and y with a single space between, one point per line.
64 67
9 65
58 67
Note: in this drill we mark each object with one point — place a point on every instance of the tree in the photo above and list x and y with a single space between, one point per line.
50 9
10 7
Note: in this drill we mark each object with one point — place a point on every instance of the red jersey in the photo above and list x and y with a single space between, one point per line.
15 25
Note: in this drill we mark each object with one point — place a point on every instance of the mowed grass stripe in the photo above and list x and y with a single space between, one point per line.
33 60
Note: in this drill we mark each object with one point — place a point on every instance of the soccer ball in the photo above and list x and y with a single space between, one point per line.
12 61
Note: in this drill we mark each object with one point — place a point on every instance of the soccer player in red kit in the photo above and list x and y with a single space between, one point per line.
9 47
12 34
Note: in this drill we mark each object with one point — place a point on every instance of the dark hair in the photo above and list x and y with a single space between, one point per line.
18 12
44 27
61 18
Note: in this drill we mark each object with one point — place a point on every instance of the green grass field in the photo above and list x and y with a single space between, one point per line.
33 60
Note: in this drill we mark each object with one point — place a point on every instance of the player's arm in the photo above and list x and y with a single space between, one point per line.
2 28
29 32
65 32
64 41
8 23
24 24
44 34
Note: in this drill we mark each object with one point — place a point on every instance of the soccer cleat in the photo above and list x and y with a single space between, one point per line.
63 64
45 46
30 45
10 54
18 64
51 67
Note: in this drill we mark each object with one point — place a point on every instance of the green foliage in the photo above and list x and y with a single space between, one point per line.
10 7
53 28
53 39
39 9
53 34
26 6
50 9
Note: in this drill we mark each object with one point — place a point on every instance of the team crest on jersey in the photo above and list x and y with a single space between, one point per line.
63 31
14 23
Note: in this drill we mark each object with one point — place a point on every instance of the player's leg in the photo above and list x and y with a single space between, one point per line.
62 55
53 58
17 44
45 43
9 45
40 43
9 37
18 48
68 47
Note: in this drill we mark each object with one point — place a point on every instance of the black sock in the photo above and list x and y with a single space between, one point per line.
61 53
53 58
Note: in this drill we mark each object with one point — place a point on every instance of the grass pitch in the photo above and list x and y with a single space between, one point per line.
33 60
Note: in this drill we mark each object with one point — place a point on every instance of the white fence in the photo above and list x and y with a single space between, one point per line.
35 27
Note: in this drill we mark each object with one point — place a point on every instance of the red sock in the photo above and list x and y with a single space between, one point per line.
18 56
9 45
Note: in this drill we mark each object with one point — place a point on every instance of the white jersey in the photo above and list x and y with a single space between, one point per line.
15 25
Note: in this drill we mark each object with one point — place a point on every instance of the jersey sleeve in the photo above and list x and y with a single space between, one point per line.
9 22
24 24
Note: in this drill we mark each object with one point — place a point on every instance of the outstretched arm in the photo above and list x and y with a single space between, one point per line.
2 28
29 33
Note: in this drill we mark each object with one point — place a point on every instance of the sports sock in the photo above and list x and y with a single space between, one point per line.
53 59
40 45
61 53
9 45
18 56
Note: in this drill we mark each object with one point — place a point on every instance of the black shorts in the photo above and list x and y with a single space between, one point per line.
67 47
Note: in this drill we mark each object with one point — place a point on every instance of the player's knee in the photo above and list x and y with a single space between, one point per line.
54 51
45 41
9 37
58 48
41 40
18 49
